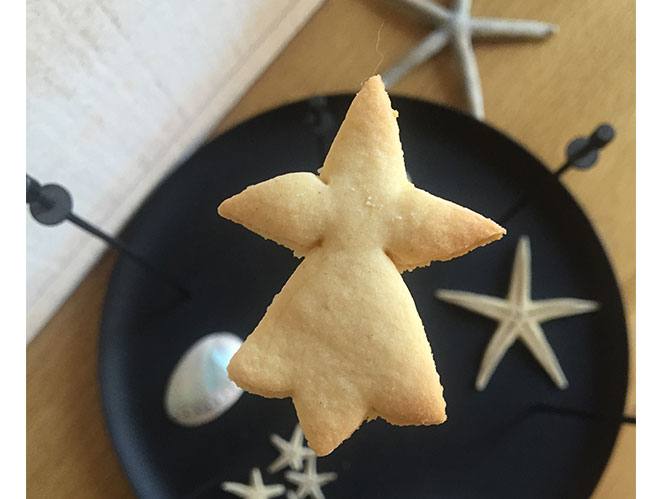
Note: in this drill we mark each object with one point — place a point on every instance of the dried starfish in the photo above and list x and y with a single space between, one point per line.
519 317
458 26
310 482
256 488
291 453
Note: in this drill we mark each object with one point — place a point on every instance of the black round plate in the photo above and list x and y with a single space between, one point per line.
493 445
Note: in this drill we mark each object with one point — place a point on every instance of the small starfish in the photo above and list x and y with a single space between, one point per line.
458 26
310 482
256 489
519 317
292 452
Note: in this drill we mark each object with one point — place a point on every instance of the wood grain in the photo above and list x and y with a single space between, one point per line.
69 451
541 93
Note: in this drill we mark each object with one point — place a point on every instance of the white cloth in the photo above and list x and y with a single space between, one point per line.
118 92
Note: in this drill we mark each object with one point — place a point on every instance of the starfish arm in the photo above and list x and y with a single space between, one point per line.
503 338
325 478
546 310
290 209
444 230
281 444
535 339
470 74
237 489
485 27
463 7
256 480
274 490
489 306
519 292
432 44
278 464
429 9
297 442
298 438
302 491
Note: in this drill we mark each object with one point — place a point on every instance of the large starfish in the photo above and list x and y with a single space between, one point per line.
458 26
256 488
343 338
310 481
291 453
519 317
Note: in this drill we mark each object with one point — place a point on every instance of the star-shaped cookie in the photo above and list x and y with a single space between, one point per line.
343 337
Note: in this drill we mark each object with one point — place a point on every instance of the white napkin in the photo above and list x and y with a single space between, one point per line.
120 91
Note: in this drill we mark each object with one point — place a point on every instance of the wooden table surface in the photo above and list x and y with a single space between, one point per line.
542 93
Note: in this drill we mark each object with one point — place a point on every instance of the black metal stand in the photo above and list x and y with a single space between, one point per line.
577 413
581 153
51 204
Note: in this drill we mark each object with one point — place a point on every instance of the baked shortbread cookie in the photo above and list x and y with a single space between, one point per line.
343 337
